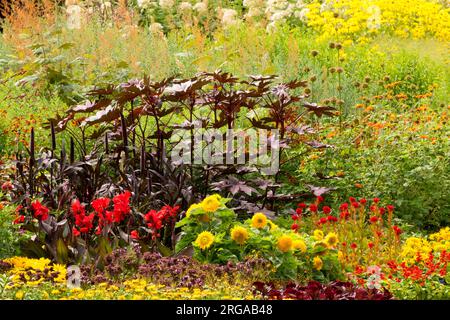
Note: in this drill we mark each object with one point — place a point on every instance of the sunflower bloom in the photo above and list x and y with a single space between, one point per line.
331 239
300 245
211 203
239 235
204 240
285 243
317 263
318 234
259 220
192 207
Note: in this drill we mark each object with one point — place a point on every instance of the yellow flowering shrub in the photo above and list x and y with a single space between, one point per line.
359 19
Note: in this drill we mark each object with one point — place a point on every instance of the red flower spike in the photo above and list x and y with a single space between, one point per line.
319 199
294 227
363 201
370 245
326 209
313 208
376 200
390 208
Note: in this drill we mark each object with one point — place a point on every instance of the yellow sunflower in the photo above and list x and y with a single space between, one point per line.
317 263
204 240
211 203
318 234
192 207
331 239
300 245
259 220
285 243
239 234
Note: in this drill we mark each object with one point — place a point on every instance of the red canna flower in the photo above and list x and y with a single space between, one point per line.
77 208
121 206
134 235
326 209
19 219
75 232
40 211
100 205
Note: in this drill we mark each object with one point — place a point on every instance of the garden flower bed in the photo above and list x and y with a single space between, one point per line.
223 150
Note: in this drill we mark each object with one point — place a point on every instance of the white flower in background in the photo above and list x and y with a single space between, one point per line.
166 4
255 8
74 16
228 17
300 4
185 6
201 7
144 4
156 27
302 14
326 6
105 7
272 26
275 5
279 16
71 2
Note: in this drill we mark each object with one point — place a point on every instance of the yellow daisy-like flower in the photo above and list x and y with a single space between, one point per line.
285 243
331 239
272 225
300 245
318 234
211 203
259 220
192 207
340 256
204 240
317 263
239 234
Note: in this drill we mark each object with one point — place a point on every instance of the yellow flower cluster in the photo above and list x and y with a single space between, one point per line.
33 272
359 19
436 243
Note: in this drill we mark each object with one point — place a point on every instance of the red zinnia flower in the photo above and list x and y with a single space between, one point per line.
299 211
